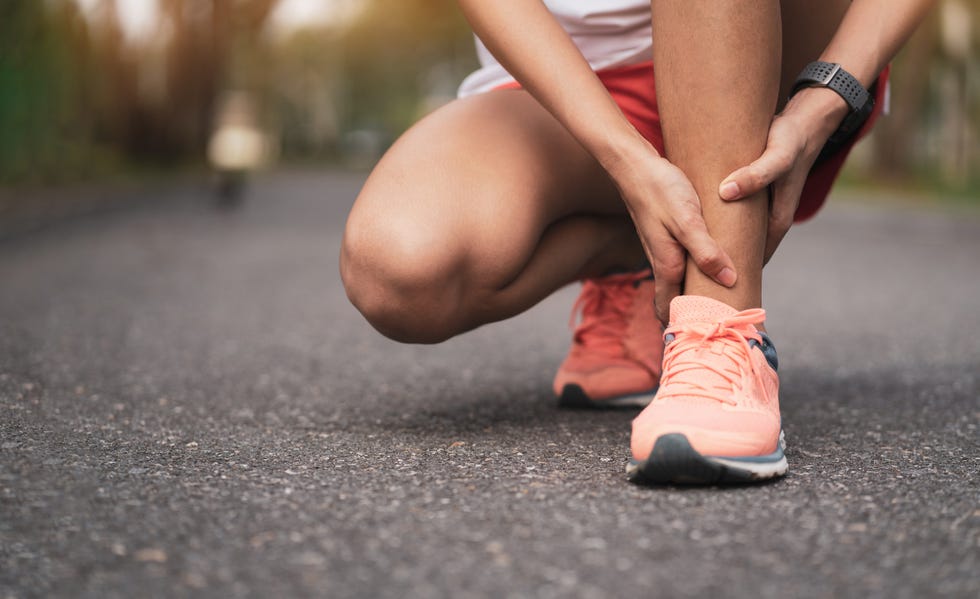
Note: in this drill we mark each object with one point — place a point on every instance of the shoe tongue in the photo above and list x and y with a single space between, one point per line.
695 308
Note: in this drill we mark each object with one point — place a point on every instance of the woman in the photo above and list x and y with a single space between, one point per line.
564 160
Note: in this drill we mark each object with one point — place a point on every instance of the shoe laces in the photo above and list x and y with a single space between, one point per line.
707 359
602 311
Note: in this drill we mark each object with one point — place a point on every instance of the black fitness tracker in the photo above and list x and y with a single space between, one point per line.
860 101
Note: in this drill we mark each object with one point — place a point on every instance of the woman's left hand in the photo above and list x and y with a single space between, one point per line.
796 137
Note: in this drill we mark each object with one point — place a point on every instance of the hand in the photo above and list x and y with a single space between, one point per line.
796 137
667 214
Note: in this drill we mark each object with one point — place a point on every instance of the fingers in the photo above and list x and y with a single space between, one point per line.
785 200
692 232
774 163
779 225
669 260
669 264
672 230
686 234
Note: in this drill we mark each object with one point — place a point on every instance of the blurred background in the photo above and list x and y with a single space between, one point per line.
103 90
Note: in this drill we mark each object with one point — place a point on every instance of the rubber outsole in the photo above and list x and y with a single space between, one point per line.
674 461
575 398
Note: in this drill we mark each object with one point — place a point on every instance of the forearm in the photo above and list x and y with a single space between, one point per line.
530 43
869 36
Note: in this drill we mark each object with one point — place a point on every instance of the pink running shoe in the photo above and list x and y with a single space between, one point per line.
715 418
617 347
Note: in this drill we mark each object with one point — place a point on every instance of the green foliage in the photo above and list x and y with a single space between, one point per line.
79 100
372 77
43 62
391 48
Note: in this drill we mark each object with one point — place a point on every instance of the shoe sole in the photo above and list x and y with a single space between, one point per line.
575 398
674 461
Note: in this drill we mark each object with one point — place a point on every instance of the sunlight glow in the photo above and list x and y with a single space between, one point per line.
291 15
138 18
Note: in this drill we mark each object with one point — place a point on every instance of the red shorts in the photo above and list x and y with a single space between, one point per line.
633 89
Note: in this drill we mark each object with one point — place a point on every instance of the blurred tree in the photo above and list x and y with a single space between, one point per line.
366 80
390 52
932 131
205 36
895 136
43 58
308 92
78 96
75 90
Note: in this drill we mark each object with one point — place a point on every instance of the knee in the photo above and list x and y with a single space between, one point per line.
402 279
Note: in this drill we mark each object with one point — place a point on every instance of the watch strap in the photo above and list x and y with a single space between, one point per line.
860 101
833 76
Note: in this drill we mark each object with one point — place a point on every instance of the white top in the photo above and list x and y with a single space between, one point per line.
609 33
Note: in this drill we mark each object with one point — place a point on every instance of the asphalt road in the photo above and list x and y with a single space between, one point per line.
190 407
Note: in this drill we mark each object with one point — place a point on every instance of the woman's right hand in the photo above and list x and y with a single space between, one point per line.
667 213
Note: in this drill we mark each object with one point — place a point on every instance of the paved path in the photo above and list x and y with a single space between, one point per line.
189 406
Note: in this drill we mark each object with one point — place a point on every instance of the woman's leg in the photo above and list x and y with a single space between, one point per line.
477 213
716 416
718 71
723 67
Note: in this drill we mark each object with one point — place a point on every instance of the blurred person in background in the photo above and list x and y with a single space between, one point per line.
565 159
237 146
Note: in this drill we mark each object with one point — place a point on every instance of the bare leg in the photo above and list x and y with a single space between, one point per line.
718 71
488 206
477 213
720 76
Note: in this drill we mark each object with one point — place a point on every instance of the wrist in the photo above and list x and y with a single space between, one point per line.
617 154
820 111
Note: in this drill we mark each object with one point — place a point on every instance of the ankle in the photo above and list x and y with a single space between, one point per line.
738 303
742 296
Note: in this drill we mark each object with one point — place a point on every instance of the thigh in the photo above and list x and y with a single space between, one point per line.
471 188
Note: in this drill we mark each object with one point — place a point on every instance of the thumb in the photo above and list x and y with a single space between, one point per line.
755 177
